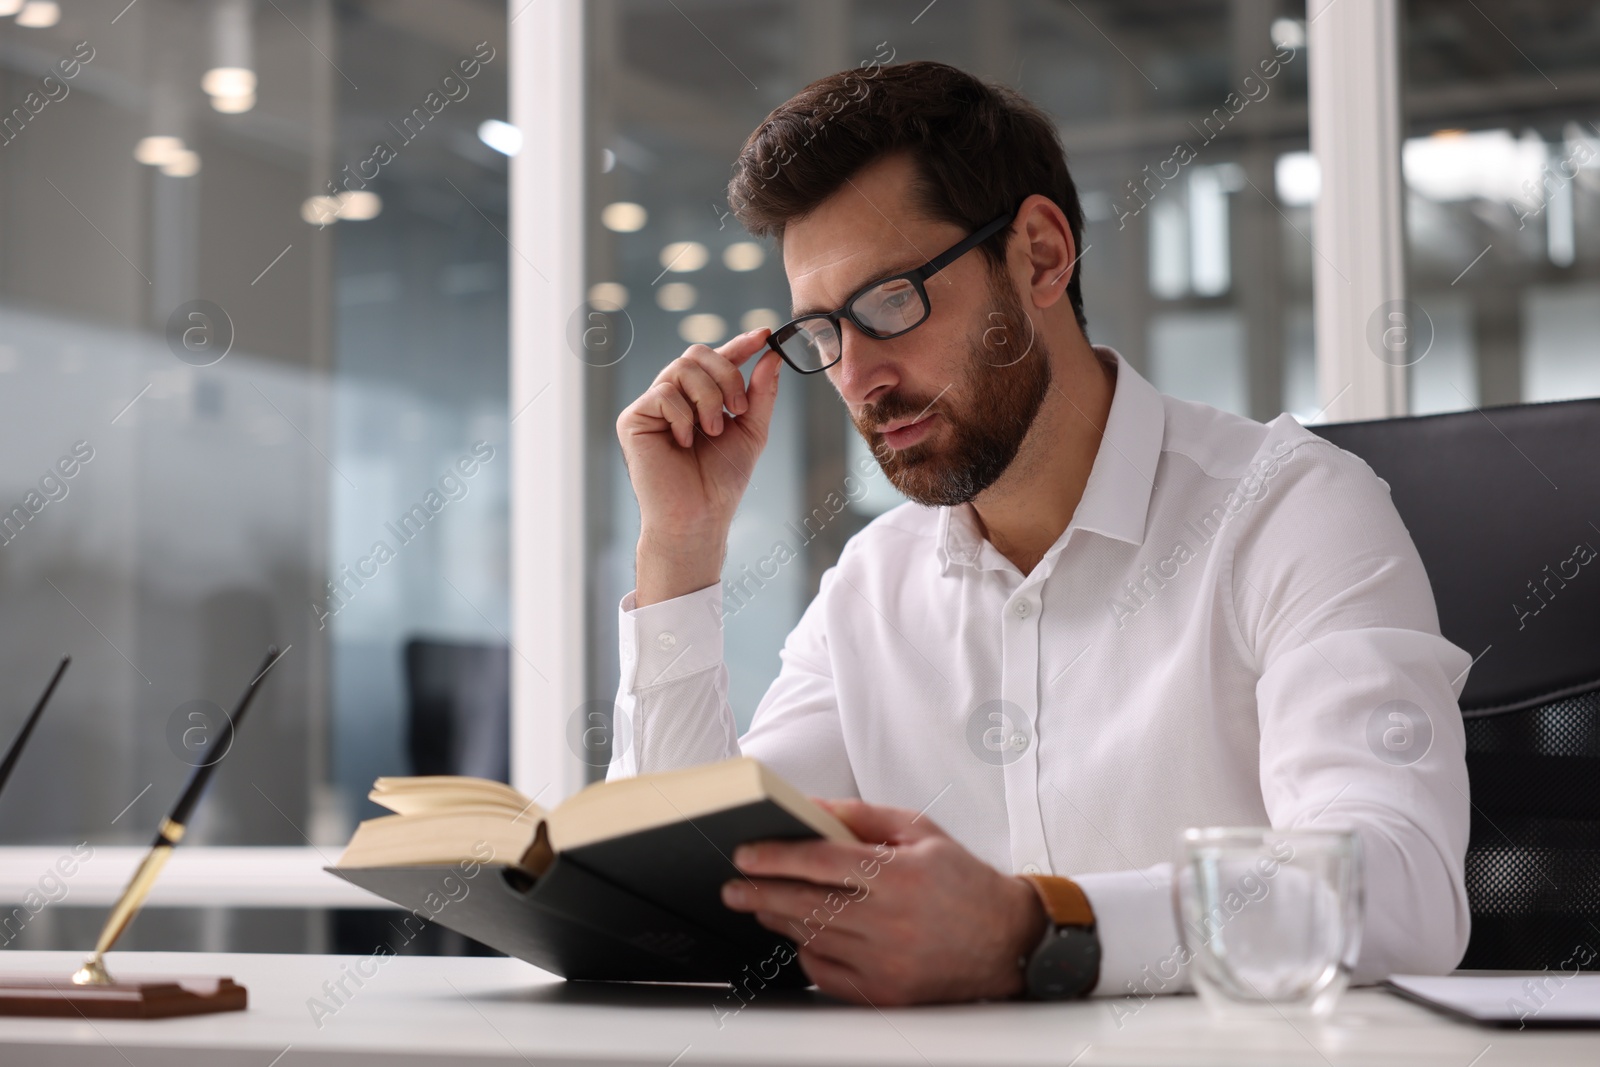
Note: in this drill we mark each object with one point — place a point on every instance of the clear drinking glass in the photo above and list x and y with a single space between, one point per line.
1270 919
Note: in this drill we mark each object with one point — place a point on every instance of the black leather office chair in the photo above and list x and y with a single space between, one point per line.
458 721
1504 505
458 708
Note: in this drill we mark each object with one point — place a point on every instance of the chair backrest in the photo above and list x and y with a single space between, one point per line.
1504 506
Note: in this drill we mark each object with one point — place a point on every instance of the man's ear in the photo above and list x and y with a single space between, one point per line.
1051 253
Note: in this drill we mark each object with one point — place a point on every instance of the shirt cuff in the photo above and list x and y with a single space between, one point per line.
1140 953
665 642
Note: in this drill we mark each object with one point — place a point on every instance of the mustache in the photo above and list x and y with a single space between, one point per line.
894 406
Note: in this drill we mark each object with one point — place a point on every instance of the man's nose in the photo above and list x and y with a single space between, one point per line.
866 370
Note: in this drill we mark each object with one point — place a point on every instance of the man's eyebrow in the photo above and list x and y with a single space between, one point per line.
876 275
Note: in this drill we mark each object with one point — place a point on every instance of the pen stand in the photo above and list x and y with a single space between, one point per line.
91 992
134 997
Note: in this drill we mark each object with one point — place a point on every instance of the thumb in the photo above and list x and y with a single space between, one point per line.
875 823
763 394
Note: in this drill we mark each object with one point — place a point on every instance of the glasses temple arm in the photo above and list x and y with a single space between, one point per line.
943 260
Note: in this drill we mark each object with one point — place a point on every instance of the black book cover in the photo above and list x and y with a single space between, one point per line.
645 906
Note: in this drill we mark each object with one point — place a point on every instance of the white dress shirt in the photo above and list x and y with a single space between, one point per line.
1209 643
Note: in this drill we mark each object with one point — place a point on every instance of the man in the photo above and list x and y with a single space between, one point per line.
1107 615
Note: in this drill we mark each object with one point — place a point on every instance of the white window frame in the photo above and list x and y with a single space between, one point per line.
1357 223
1359 232
547 519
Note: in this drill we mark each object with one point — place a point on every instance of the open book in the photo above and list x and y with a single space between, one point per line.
621 881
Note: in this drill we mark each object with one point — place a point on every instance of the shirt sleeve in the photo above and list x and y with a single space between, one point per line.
1357 702
1330 599
672 699
672 706
1140 953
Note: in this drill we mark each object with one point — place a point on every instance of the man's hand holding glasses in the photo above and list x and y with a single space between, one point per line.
691 443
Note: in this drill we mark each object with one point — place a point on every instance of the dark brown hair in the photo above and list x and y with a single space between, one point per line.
980 149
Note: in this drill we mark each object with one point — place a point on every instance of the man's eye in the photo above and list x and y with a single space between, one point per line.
896 301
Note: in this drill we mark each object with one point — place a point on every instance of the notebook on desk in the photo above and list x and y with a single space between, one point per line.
1552 998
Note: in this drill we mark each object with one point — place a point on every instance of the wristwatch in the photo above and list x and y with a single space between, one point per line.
1066 963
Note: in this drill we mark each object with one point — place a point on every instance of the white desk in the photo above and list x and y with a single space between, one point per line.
477 1011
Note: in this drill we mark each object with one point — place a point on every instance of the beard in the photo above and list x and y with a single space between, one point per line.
989 412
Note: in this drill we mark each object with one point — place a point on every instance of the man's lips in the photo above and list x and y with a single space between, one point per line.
903 433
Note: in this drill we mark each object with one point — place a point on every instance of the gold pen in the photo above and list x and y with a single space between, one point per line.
93 972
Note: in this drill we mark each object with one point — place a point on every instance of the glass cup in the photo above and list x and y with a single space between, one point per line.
1270 919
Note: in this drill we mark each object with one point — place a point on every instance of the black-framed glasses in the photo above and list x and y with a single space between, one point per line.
882 309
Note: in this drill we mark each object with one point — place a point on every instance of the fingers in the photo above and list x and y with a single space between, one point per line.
812 905
666 402
726 376
763 394
683 394
822 863
831 937
875 822
739 349
704 393
696 387
834 978
709 381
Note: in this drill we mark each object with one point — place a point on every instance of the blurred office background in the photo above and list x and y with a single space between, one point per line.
369 338
360 348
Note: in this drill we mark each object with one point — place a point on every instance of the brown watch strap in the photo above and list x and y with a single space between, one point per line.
1064 901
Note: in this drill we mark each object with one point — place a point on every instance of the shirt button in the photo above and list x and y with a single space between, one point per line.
665 640
1019 742
1023 609
1031 868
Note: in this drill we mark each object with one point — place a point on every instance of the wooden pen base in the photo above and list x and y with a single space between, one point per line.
138 997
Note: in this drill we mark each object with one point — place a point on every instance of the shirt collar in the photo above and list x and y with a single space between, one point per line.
1116 499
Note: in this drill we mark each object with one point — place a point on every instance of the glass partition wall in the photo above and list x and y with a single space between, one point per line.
1185 126
253 391
1502 171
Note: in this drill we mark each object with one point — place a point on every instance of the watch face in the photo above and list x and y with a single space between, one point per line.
1066 964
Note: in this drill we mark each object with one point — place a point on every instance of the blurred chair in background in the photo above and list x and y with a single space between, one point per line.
458 708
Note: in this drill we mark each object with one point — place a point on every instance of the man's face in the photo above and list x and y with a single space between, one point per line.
945 408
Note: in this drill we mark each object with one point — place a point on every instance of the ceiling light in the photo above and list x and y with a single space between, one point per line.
184 164
10 7
702 329
684 256
1298 178
676 296
500 136
228 81
37 14
1480 165
760 319
320 210
234 105
158 150
231 80
743 255
608 296
359 205
1288 33
623 217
